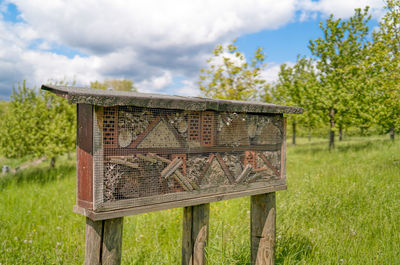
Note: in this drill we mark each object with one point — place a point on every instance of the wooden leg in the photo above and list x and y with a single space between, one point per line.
103 242
263 229
195 234
93 242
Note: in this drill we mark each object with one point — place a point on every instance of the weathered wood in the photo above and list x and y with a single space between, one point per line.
283 152
103 242
93 242
123 98
170 169
187 180
184 185
195 234
225 169
112 241
115 213
147 158
245 173
269 164
124 163
246 189
84 153
262 229
191 150
159 158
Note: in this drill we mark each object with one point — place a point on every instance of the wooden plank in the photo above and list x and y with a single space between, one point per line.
84 158
269 164
184 179
263 229
170 197
181 182
170 169
140 137
112 241
206 167
159 158
187 245
283 151
93 241
123 98
188 180
260 169
245 173
124 163
175 204
147 158
225 169
193 150
98 157
195 234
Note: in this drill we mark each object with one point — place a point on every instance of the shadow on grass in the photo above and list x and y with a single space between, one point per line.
39 175
292 248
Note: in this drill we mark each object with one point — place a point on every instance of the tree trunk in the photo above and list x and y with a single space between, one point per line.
309 134
340 132
294 132
53 162
391 133
332 132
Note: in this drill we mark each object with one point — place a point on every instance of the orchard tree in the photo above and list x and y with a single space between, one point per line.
298 86
230 76
114 84
384 66
37 124
340 54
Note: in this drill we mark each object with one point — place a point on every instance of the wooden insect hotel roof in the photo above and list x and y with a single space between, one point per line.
108 98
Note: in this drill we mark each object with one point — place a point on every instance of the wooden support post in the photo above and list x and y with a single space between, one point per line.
195 234
103 242
263 229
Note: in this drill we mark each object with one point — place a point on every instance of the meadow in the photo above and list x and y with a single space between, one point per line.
341 207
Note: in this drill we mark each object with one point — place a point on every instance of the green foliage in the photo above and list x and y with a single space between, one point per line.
383 66
340 55
114 84
230 76
37 124
298 86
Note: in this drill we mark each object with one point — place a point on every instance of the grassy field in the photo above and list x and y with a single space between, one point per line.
341 207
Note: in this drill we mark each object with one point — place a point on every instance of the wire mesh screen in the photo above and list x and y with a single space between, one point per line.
144 156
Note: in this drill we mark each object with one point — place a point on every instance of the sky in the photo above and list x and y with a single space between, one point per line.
160 45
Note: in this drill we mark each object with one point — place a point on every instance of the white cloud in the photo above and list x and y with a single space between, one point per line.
270 72
149 42
340 8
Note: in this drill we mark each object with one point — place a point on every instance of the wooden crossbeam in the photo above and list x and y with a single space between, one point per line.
124 163
225 169
170 169
269 164
245 173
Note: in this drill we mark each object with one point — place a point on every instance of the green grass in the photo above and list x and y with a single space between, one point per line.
341 207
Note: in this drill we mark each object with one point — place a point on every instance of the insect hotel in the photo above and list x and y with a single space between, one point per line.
138 153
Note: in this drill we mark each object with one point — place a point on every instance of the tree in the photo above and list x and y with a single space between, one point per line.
114 84
384 66
340 54
296 86
37 124
230 76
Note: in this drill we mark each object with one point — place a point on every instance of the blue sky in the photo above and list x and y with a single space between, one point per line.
160 45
